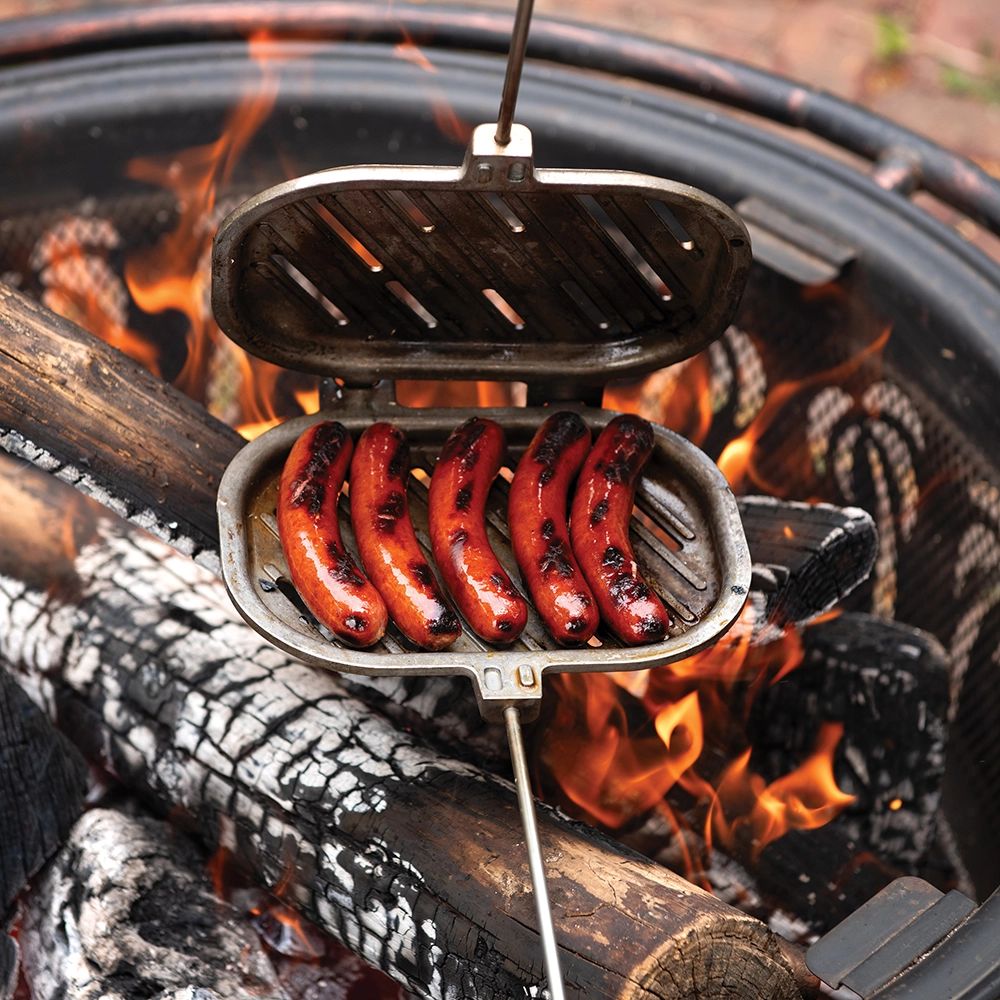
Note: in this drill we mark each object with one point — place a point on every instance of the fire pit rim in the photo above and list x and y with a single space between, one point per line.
918 161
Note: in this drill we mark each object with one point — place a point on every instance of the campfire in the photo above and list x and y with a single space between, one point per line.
737 803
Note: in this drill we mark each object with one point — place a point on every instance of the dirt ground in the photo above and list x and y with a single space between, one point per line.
931 65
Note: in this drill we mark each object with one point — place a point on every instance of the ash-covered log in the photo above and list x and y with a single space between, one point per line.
43 780
126 910
412 859
806 557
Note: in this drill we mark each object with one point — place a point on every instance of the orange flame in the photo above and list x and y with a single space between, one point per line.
607 774
737 459
805 799
612 775
175 273
678 397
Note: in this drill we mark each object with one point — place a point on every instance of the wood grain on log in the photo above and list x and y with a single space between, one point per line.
82 410
413 860
126 910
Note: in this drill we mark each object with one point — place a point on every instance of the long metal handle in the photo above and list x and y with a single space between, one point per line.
535 864
515 63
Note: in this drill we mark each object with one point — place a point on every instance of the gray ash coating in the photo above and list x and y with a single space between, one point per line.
390 512
555 559
463 498
628 450
310 486
341 566
462 443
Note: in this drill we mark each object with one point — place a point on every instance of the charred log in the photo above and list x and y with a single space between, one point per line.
126 910
413 860
887 683
807 557
42 784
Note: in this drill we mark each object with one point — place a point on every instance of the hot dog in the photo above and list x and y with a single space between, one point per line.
469 462
322 570
600 517
387 543
539 534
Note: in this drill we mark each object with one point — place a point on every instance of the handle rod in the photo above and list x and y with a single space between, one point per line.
515 63
535 863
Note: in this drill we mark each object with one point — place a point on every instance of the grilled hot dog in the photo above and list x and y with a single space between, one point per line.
469 462
387 544
602 508
539 534
322 570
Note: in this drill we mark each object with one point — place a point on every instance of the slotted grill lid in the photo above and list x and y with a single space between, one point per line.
489 270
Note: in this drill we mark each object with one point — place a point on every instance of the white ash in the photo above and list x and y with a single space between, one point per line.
126 910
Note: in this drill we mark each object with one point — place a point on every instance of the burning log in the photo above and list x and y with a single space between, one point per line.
37 765
414 860
887 683
126 910
807 557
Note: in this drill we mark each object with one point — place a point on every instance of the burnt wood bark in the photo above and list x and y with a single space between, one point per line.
413 860
887 683
126 910
806 557
43 780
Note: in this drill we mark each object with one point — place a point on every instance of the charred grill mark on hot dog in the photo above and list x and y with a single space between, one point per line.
321 569
309 487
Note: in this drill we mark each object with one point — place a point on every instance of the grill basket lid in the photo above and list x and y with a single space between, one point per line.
491 270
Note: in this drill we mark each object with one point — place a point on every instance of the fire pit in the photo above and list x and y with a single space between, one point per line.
859 370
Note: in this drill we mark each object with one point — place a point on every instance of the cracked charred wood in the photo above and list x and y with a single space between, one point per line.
125 910
887 683
414 860
43 781
806 557
82 410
